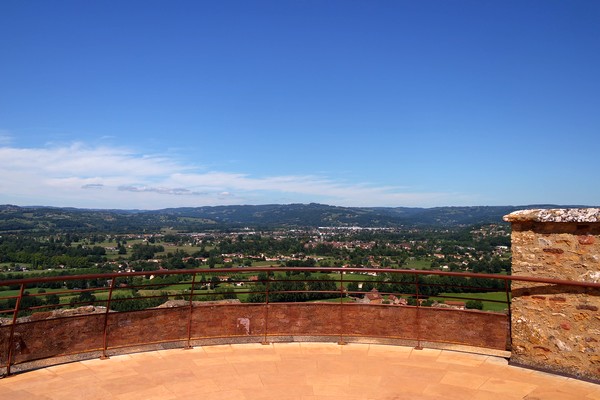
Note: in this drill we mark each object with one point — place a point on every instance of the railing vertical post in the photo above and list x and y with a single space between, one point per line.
189 327
418 346
508 300
341 342
11 345
105 329
265 342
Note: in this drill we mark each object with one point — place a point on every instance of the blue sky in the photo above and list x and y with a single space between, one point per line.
153 104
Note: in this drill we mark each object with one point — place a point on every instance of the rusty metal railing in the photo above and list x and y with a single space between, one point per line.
122 293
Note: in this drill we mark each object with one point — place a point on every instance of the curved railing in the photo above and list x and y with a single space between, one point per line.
69 317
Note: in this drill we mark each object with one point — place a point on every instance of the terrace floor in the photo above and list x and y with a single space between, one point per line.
299 371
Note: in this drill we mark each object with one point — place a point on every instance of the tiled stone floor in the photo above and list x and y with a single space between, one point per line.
299 371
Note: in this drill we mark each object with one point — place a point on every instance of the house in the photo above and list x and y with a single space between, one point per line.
373 297
397 300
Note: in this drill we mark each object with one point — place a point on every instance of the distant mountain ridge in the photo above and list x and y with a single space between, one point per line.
41 218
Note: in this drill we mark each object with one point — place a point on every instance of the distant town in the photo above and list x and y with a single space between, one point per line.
484 248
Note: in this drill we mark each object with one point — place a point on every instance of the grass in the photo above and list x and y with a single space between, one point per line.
173 248
334 300
9 293
265 264
100 294
8 264
178 287
487 306
417 264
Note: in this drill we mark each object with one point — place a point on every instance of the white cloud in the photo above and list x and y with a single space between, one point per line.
104 177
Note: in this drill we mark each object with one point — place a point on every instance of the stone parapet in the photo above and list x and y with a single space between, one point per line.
554 327
41 339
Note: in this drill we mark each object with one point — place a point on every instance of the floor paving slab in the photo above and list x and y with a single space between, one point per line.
295 371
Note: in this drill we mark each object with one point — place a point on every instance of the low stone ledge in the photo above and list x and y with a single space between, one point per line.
186 303
555 215
57 314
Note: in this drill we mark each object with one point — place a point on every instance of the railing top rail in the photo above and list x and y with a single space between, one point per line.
112 275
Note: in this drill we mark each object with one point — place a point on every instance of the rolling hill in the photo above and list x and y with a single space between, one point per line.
48 219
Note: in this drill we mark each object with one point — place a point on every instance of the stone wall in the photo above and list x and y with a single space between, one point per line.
555 327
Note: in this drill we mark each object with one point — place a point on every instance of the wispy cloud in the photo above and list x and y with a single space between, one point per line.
161 190
105 177
5 138
92 186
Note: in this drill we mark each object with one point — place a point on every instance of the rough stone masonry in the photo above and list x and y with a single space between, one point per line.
556 327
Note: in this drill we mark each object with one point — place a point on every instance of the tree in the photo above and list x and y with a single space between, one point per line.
145 252
474 305
52 299
258 294
85 298
287 290
324 283
353 287
222 293
212 262
133 302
